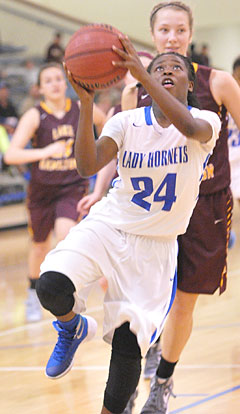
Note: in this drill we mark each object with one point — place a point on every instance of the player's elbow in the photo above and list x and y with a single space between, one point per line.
85 170
7 158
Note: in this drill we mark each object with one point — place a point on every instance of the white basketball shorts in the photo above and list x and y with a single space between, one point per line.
140 272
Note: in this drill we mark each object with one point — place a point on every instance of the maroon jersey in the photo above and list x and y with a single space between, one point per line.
58 169
117 108
217 173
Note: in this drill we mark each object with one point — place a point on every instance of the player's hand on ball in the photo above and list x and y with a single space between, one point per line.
83 93
130 58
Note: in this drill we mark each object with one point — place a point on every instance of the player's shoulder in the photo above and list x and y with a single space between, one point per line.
221 78
206 115
131 115
204 112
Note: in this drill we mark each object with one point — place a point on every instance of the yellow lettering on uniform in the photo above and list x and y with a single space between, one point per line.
208 172
54 134
62 131
68 147
58 165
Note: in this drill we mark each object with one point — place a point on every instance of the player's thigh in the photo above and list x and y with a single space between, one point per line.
62 226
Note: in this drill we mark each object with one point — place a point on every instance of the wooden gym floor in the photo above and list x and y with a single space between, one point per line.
207 378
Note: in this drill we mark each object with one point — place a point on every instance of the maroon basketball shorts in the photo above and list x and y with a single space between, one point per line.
202 257
47 203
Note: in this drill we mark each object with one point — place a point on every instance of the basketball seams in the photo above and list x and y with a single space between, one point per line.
77 77
92 42
89 52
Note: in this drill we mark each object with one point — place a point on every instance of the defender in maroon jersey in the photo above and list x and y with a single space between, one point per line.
55 187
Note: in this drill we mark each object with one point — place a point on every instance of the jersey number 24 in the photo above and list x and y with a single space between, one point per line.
166 188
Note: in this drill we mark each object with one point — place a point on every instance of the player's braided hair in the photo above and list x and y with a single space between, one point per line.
192 99
173 4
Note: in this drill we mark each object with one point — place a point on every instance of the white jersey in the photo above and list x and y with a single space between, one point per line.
159 170
234 156
159 176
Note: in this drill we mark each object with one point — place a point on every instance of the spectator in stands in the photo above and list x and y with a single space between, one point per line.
6 106
4 144
10 124
32 99
55 51
204 56
195 57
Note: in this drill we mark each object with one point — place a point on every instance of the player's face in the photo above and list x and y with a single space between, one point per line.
236 75
171 31
172 73
52 83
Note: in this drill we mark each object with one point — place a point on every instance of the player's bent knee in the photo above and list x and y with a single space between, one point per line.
55 292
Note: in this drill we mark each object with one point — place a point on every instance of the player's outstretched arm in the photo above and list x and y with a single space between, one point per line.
174 110
227 92
90 155
17 153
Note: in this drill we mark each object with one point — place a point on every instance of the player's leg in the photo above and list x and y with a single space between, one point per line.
62 227
176 333
55 292
40 245
124 371
201 269
178 327
152 360
67 275
66 214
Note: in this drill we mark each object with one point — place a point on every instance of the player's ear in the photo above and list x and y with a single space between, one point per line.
190 86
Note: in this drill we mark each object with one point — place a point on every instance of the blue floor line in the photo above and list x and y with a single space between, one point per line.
219 394
193 395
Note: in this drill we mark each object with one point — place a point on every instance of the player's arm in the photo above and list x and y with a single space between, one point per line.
226 91
103 180
17 153
90 155
99 118
177 113
129 97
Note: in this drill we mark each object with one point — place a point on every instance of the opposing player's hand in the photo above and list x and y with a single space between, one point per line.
86 203
83 93
130 58
55 150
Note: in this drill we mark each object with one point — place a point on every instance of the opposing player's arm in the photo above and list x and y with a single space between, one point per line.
104 178
17 153
129 97
226 91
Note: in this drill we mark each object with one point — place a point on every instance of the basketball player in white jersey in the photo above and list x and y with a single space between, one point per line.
234 150
130 236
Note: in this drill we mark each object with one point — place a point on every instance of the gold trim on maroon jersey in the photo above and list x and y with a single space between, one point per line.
46 108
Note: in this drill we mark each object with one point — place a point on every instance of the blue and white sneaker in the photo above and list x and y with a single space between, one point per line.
61 360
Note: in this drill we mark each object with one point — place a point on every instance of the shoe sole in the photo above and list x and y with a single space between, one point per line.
148 377
92 329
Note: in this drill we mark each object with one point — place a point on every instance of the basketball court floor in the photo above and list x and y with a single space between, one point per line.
207 378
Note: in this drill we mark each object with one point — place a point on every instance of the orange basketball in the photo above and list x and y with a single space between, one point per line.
89 56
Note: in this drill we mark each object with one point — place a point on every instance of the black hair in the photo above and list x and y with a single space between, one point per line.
191 98
236 63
